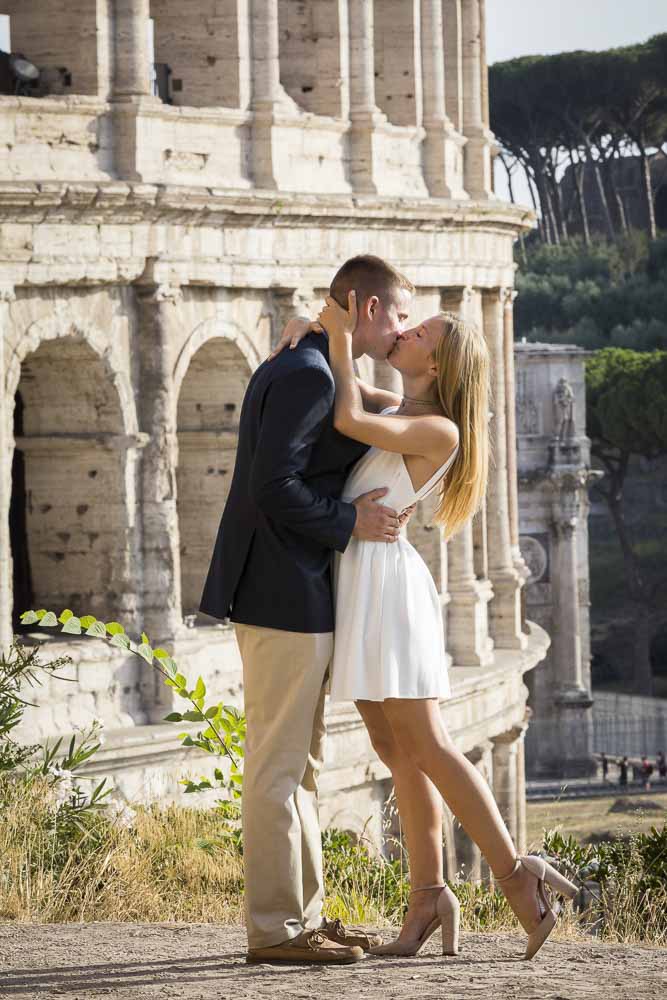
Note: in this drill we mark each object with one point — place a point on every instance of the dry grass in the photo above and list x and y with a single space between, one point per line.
591 818
176 864
172 865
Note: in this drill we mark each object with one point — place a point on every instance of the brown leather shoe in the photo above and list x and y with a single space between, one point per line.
336 931
309 946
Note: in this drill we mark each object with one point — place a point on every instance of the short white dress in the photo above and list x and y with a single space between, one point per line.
389 639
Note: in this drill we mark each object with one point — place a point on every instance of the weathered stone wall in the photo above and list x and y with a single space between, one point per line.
314 55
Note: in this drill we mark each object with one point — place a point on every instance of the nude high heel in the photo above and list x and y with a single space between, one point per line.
545 874
447 915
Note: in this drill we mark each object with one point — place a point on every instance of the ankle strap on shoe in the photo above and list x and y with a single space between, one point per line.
517 865
423 888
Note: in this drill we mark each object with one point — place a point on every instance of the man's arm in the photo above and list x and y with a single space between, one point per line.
295 409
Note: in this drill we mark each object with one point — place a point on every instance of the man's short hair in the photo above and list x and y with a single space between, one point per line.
367 275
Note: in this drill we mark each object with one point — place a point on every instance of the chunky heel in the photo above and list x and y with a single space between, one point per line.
447 917
559 882
449 911
545 874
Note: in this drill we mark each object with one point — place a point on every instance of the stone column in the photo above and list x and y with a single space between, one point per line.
132 71
267 92
364 113
442 144
505 609
161 566
521 842
506 787
468 637
453 50
6 408
477 153
566 639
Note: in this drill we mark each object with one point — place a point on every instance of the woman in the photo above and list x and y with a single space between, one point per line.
389 650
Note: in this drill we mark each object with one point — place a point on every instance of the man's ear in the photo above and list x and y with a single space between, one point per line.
371 306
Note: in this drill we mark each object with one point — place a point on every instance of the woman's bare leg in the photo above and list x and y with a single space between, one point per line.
420 808
420 734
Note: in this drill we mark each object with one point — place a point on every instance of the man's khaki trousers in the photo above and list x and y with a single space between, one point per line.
284 677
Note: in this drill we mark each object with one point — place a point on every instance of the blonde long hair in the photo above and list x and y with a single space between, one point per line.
462 357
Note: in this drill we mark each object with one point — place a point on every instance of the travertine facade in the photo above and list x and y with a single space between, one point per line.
150 253
554 476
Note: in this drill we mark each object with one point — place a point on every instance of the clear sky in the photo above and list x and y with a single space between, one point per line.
531 27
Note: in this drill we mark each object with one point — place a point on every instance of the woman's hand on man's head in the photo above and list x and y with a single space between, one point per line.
293 333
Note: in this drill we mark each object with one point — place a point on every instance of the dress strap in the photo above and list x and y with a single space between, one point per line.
437 476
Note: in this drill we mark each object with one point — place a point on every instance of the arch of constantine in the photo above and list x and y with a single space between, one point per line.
154 238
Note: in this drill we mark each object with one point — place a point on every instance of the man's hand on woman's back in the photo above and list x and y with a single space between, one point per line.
375 522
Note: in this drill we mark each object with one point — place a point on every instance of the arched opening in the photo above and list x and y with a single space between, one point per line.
67 513
313 55
66 42
398 88
209 408
200 60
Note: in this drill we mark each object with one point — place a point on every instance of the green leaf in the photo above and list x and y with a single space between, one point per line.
120 640
88 620
173 717
66 615
180 680
188 741
169 665
114 628
211 713
160 654
40 614
96 628
182 693
48 619
145 639
192 716
28 617
72 625
145 651
200 689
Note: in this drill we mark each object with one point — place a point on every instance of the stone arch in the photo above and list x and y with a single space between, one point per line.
210 378
73 422
59 326
206 331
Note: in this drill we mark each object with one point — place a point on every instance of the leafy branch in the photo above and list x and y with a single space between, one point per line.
224 729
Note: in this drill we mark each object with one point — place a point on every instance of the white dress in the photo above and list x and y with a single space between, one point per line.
389 639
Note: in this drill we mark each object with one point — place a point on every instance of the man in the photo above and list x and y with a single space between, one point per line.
271 575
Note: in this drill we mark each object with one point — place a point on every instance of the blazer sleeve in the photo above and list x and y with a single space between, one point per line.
295 409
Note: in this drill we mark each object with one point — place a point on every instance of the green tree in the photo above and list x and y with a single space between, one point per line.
626 415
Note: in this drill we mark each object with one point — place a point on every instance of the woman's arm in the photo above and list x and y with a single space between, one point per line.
432 436
374 399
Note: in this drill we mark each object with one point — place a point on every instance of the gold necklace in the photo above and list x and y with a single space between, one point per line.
411 399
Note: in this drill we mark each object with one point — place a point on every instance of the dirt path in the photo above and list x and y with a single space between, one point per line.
205 962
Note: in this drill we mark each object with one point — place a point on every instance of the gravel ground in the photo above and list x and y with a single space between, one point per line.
207 962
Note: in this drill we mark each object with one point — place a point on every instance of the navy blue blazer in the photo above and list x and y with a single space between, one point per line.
283 519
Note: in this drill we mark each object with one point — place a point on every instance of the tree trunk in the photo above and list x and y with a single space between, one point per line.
639 594
578 171
600 186
647 188
642 676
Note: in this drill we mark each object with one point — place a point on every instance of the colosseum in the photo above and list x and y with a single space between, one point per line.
178 177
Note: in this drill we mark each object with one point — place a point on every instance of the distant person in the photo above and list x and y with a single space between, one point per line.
605 766
661 765
646 772
623 771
